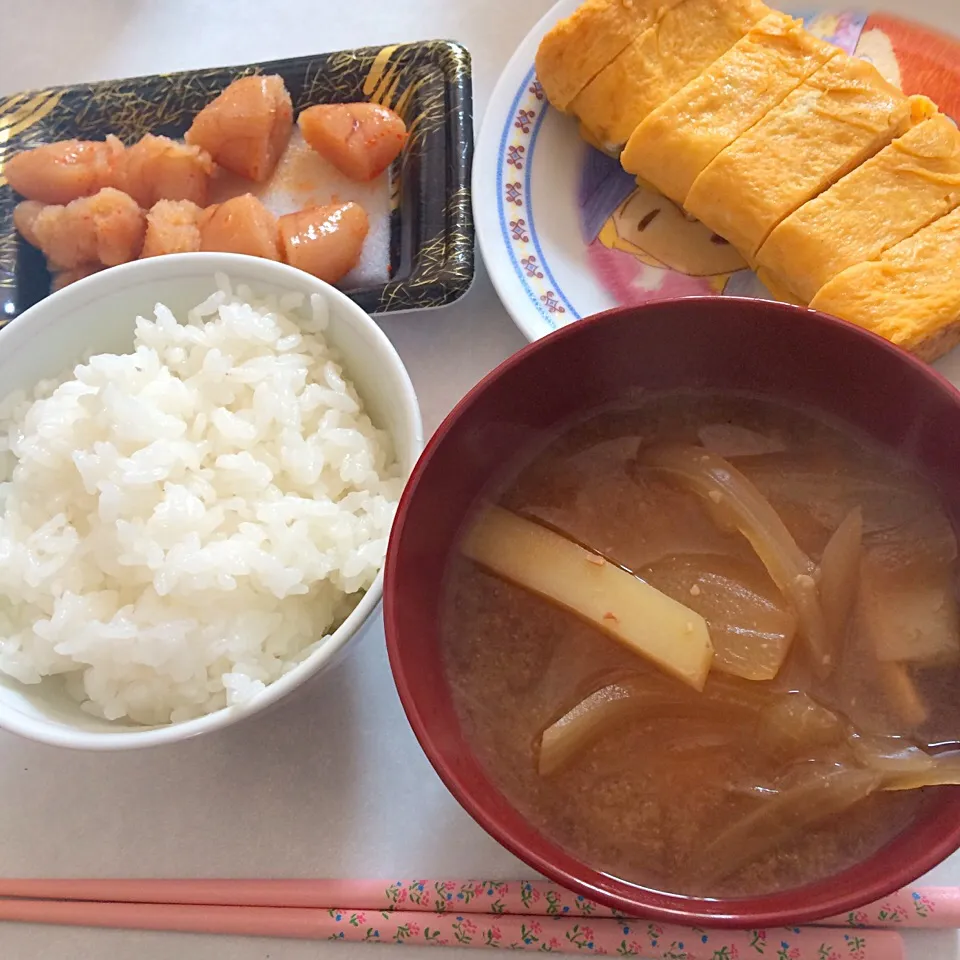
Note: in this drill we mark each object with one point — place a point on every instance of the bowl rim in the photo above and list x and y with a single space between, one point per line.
740 912
239 268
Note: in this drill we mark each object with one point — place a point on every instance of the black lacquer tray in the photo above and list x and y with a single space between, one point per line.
427 83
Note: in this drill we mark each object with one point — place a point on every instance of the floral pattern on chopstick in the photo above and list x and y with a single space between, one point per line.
570 932
445 896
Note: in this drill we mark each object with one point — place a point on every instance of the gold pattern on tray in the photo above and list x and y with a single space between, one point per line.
380 70
17 113
435 274
382 79
386 84
8 254
428 84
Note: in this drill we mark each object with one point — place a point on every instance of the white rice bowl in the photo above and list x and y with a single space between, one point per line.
182 525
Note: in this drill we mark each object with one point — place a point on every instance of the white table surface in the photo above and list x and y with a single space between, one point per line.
333 784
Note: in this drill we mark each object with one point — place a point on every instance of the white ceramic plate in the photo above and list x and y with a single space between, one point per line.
557 221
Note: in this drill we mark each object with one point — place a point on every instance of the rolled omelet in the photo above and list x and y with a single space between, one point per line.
687 38
580 46
674 144
776 288
834 121
910 183
910 295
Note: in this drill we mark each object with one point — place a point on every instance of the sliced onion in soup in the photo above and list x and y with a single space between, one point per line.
795 723
736 502
602 713
840 574
697 739
944 772
636 518
890 755
750 624
729 440
821 793
724 700
900 516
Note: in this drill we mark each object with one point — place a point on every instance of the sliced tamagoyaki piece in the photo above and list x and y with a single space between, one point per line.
910 295
688 38
779 291
910 183
834 121
676 142
580 46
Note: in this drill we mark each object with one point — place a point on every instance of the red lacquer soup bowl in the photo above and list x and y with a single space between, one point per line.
769 349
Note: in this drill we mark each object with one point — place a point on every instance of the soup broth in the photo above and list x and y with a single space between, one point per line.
792 762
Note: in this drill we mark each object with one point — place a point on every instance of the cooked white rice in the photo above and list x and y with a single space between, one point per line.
183 524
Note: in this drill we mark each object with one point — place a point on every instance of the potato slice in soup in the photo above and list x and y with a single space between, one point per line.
639 616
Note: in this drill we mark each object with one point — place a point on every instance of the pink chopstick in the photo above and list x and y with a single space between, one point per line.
930 907
559 934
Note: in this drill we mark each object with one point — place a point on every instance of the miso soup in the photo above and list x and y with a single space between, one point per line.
709 644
